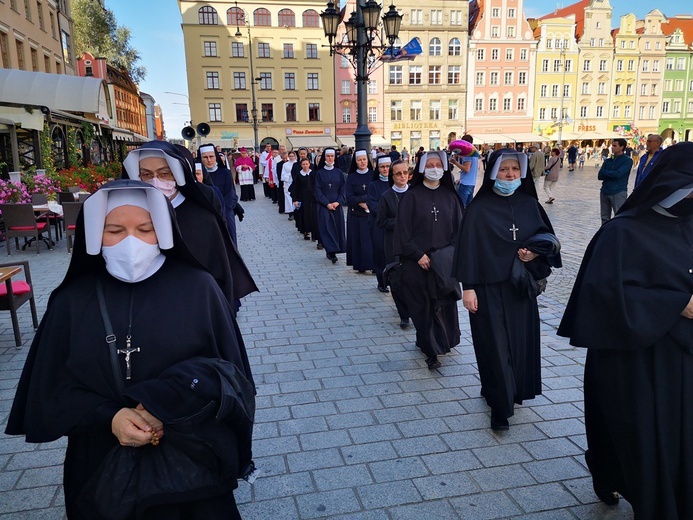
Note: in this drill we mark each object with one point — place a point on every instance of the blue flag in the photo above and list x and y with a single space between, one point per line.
410 51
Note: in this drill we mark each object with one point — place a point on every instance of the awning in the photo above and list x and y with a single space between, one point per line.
55 91
20 117
491 138
379 140
524 137
230 143
599 135
567 136
347 140
311 141
122 135
376 140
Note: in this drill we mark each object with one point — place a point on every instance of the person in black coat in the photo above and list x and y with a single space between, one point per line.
632 308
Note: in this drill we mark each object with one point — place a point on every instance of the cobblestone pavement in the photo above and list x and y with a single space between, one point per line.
350 423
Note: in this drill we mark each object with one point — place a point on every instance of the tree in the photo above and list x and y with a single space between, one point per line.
97 31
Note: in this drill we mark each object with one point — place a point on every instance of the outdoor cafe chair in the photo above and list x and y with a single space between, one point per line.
22 292
20 221
70 212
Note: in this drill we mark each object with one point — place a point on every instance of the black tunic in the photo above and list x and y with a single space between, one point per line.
222 179
428 220
634 281
375 190
301 191
359 245
505 328
67 386
329 188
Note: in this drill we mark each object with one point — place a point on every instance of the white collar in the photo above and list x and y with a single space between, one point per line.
328 167
178 200
362 172
400 190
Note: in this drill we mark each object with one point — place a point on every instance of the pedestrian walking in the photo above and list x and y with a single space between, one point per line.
552 171
614 175
330 194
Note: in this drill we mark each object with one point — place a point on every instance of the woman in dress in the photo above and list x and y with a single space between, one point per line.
135 320
499 272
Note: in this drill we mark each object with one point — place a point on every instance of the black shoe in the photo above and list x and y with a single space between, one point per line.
610 498
319 247
334 259
306 236
383 289
291 217
432 362
498 422
404 323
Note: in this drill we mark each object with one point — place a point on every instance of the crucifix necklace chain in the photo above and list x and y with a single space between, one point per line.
514 229
128 350
435 212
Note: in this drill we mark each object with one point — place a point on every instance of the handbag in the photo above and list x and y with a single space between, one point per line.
548 169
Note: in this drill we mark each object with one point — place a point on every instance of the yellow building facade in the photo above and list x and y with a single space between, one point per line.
273 52
625 75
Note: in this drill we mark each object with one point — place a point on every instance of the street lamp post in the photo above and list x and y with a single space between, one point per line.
561 115
253 80
360 45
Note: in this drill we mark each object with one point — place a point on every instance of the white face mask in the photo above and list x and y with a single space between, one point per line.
433 174
132 260
168 188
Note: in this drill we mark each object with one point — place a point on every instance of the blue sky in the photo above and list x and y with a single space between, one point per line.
157 34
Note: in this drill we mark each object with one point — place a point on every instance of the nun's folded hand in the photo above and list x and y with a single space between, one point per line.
469 300
130 428
526 255
155 423
425 263
688 311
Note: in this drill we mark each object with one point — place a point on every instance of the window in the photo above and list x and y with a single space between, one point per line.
495 31
34 60
556 65
263 50
434 74
288 50
667 85
507 103
511 31
542 113
291 112
655 66
509 54
239 81
493 104
313 84
618 90
658 46
290 81
601 41
416 17
643 89
67 47
583 111
508 78
601 88
452 109
631 65
313 111
641 112
39 12
690 86
690 108
287 18
669 64
626 111
454 75
521 78
237 49
46 59
619 65
665 107
549 43
586 65
52 19
652 112
396 110
262 18
435 48
586 88
312 51
434 110
521 104
210 48
456 17
511 13
481 54
346 114
242 112
554 113
395 74
205 16
543 90
372 86
495 12
372 114
678 85
554 90
602 65
267 111
617 112
436 17
680 63
623 44
235 16
212 80
311 18
569 65
415 74
495 54
479 104
629 89
344 62
265 81
480 79
215 111
544 65
20 54
653 92
415 110
592 42
346 86
647 48
645 65
600 111
566 90
454 47
523 54
493 78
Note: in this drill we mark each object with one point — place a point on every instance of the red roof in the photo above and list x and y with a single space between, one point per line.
577 10
685 23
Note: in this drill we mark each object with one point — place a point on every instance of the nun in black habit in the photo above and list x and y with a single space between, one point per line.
135 305
223 179
632 308
379 185
425 229
359 253
330 184
500 277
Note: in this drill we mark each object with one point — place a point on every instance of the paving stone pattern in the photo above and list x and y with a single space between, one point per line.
350 423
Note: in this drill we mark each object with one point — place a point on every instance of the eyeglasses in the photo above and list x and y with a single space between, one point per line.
164 176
